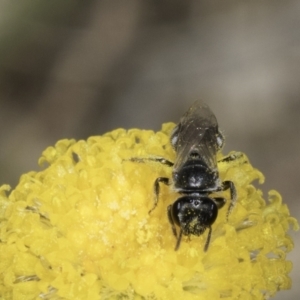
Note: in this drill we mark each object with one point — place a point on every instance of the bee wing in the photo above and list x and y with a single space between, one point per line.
197 135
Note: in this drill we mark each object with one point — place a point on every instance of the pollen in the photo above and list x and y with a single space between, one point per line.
80 229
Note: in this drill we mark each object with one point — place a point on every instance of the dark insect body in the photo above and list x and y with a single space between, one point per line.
196 140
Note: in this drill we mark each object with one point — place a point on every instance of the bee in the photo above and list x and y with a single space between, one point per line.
196 140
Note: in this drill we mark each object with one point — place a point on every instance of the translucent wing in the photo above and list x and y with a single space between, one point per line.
197 137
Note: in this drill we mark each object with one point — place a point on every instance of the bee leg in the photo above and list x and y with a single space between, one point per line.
178 240
220 201
232 157
171 220
208 239
170 217
155 159
230 185
164 180
163 161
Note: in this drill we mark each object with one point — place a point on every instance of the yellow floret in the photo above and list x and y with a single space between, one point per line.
80 229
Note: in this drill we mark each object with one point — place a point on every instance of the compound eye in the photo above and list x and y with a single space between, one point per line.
209 212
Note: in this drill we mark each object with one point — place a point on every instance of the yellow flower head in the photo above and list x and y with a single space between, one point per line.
80 229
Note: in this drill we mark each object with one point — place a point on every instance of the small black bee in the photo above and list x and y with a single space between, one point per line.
196 140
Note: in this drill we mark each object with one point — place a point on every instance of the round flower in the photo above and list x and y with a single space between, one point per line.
80 228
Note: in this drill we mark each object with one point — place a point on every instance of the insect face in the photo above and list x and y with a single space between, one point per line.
193 214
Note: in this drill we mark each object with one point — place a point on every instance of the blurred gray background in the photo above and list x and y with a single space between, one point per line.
72 69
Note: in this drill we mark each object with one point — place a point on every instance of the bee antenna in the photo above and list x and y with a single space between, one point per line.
208 239
178 240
